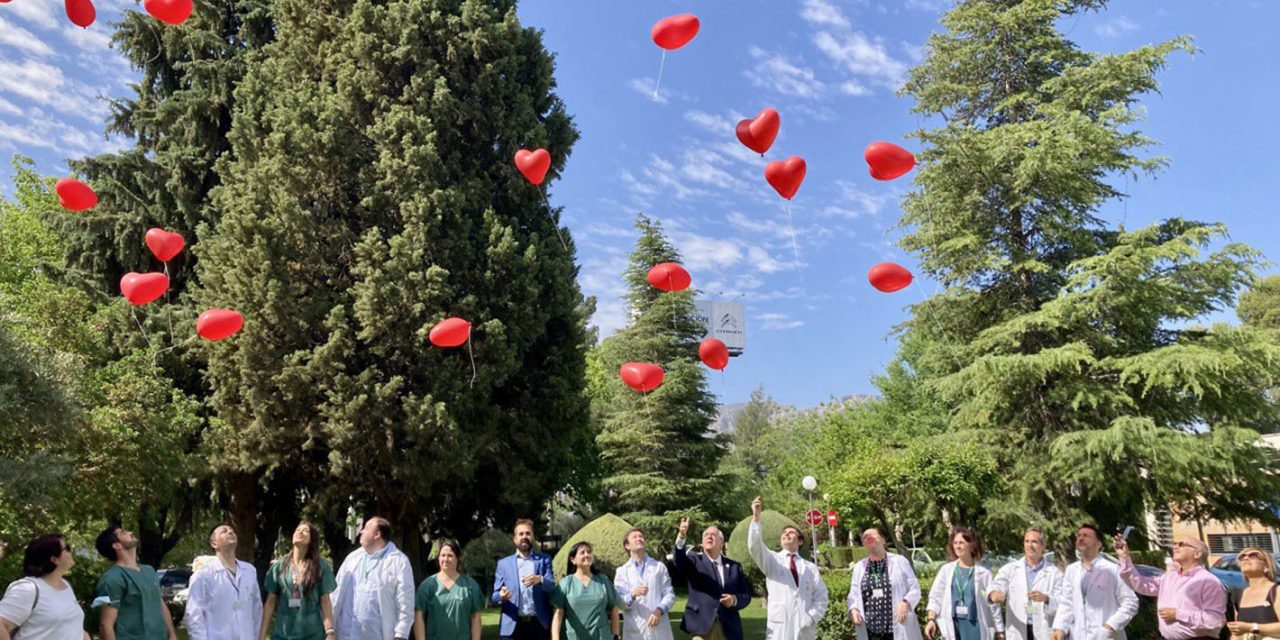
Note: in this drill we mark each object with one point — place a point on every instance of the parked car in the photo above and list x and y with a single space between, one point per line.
1227 568
172 581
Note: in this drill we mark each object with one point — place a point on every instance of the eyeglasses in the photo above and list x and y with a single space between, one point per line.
1184 545
1250 555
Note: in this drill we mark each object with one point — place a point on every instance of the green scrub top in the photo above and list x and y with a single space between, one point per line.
448 611
135 595
586 608
304 622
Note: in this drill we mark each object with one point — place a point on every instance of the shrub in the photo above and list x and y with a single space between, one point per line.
771 525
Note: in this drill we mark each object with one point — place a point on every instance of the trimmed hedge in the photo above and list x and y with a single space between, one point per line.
605 535
771 526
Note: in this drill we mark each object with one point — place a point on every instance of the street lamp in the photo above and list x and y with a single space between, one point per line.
810 483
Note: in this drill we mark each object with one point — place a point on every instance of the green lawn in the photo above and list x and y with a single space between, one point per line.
753 619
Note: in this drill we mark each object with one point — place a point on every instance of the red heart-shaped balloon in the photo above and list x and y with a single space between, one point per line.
675 31
785 176
889 277
164 245
533 164
669 276
641 376
888 160
142 288
81 12
216 324
758 132
170 11
714 353
74 195
450 332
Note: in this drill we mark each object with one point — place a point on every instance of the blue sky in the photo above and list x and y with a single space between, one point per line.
815 329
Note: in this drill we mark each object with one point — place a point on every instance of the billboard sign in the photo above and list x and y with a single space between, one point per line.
724 320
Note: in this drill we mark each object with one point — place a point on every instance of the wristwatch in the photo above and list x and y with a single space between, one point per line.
1254 628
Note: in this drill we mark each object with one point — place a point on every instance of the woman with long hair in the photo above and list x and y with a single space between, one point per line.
1258 612
41 604
299 584
449 603
586 602
958 607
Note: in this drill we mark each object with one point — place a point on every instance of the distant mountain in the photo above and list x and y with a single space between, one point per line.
728 413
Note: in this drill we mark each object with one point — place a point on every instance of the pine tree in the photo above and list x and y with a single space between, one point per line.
178 119
370 194
660 457
1072 344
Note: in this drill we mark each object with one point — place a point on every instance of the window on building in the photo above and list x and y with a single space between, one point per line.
1233 542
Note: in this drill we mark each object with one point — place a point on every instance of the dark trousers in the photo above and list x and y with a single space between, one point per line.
880 636
1031 632
529 629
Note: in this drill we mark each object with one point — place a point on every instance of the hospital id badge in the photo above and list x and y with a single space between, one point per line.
962 611
295 603
878 592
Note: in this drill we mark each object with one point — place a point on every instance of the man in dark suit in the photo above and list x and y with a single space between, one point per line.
521 585
718 588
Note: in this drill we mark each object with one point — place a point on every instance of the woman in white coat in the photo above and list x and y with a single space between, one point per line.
958 608
883 593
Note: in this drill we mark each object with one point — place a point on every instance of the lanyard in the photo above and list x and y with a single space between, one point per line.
233 577
964 582
364 564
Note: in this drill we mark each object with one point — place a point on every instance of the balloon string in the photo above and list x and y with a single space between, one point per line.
555 224
473 361
648 417
671 283
795 248
155 357
134 311
168 308
661 65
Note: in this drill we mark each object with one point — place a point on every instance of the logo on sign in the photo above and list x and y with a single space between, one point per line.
814 517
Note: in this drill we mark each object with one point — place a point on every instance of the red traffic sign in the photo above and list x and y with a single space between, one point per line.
814 517
831 518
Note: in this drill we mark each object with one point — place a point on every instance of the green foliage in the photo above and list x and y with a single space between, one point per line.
369 194
835 625
1260 305
771 525
660 461
1067 351
605 535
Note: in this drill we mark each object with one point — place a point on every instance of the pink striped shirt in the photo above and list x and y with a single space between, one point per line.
1197 596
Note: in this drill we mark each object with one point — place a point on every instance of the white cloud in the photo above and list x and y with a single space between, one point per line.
710 122
1115 27
706 253
14 36
860 56
821 12
762 261
778 322
854 88
91 41
45 84
644 87
9 107
775 72
854 203
40 13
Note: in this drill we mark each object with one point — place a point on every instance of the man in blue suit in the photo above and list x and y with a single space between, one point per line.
718 588
522 583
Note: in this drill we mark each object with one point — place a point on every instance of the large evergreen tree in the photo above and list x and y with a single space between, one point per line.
177 118
1071 344
659 454
370 194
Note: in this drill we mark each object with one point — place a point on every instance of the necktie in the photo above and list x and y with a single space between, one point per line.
795 575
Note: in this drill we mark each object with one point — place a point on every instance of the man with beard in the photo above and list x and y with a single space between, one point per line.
521 585
129 593
1094 603
224 601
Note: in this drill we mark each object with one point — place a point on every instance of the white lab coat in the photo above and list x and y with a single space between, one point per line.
794 611
374 598
1011 580
1108 601
903 585
942 602
222 605
636 611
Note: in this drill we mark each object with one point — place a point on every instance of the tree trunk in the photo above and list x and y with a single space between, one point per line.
242 509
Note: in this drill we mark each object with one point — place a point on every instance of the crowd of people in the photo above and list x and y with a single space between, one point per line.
372 596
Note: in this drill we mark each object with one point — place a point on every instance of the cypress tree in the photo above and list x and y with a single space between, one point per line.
1073 344
660 458
370 194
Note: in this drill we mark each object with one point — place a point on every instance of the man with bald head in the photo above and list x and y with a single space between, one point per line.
1190 601
718 588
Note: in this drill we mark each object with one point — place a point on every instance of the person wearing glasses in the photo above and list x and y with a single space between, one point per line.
1258 613
41 605
1190 601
